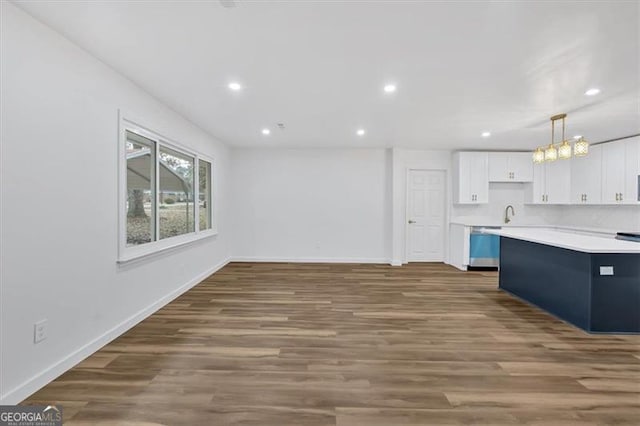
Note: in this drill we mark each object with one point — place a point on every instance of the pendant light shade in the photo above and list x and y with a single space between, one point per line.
538 156
581 148
564 151
551 153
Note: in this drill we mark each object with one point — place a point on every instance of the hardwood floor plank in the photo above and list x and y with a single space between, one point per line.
350 344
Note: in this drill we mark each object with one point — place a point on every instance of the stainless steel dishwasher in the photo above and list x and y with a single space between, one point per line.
484 249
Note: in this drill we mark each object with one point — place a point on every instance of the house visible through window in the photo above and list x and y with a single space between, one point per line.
168 192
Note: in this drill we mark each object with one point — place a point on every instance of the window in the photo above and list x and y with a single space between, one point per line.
176 204
140 153
166 194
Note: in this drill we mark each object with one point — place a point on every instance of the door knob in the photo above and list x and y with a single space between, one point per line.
412 221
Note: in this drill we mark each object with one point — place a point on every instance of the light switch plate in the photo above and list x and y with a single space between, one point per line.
606 270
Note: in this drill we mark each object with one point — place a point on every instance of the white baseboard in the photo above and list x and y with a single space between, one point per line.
29 387
310 259
455 265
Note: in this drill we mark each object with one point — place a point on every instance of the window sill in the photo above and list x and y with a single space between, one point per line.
136 253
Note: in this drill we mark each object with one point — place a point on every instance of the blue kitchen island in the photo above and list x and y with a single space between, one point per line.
592 282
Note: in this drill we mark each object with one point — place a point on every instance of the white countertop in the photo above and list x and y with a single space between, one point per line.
567 239
489 224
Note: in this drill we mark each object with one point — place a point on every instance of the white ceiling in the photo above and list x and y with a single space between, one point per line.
319 67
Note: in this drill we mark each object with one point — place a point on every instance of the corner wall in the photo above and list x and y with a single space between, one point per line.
59 198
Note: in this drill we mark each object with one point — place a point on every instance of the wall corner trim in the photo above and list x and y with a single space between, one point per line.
21 392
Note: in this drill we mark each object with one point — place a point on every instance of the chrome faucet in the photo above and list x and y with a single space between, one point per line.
506 213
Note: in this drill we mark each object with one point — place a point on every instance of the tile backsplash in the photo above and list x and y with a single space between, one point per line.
500 196
613 217
617 218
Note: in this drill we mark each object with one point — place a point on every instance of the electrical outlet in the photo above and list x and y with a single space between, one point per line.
606 270
39 331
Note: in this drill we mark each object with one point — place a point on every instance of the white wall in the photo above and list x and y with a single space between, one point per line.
59 207
311 204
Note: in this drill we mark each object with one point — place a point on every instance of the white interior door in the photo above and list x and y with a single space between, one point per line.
425 215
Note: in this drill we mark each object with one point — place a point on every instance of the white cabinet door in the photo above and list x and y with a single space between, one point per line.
499 167
586 177
459 245
631 171
558 182
480 177
471 178
510 167
521 166
538 187
462 179
613 173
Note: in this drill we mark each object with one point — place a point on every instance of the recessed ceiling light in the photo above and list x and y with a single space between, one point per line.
235 86
486 134
577 136
360 132
266 132
390 88
592 92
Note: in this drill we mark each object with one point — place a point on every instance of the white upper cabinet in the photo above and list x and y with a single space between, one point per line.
471 178
620 170
609 174
551 183
586 177
510 167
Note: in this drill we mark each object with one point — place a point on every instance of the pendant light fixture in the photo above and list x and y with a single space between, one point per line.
563 149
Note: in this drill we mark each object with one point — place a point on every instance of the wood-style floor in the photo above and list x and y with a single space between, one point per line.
370 345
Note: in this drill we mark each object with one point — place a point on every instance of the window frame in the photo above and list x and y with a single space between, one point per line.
131 253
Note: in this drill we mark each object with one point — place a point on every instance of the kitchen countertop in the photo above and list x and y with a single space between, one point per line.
568 240
488 224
